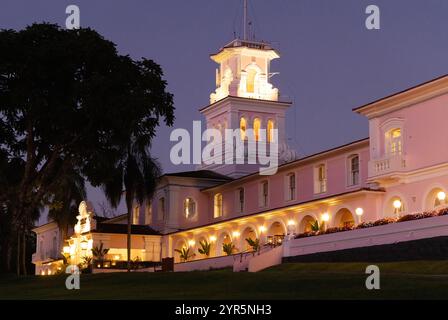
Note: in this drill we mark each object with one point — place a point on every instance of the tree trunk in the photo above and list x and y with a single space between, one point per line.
18 253
24 271
129 207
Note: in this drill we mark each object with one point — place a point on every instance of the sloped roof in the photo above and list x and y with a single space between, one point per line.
200 174
118 228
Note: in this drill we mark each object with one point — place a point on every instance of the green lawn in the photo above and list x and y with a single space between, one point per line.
404 280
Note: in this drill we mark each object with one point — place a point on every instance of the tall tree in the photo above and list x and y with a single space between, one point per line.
138 173
69 101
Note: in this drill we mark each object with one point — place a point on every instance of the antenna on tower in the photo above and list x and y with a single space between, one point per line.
245 21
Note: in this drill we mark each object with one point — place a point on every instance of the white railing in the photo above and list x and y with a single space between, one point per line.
387 165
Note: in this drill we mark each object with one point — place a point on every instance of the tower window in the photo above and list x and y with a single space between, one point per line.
270 131
257 125
243 126
250 85
217 212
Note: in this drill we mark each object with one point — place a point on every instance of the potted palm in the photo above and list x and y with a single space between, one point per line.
205 248
228 248
185 254
99 253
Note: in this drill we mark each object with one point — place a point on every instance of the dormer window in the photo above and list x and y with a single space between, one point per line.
217 210
394 143
161 209
189 208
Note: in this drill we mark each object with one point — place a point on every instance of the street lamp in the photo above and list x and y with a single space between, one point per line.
359 212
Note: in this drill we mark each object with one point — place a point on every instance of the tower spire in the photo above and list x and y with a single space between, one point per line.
245 21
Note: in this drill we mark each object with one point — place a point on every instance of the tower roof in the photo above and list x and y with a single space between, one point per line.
245 46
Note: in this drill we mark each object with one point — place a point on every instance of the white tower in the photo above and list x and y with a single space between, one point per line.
245 99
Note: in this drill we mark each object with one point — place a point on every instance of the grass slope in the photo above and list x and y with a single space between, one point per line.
402 280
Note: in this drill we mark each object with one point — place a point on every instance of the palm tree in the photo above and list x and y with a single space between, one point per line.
228 248
184 253
138 173
63 207
205 248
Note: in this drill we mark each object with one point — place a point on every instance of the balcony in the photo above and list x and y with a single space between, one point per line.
386 167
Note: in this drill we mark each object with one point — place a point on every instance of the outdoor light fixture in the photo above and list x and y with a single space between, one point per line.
397 204
212 238
235 234
325 217
66 249
291 223
116 257
441 196
191 243
84 245
359 211
262 229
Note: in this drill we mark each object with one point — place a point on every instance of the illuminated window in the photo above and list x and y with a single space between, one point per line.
394 144
270 131
136 215
257 125
148 213
189 208
320 182
250 84
243 126
353 170
217 212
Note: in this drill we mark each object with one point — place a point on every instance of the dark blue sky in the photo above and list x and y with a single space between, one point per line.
330 63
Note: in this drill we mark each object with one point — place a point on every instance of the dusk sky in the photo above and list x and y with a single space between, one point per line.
330 63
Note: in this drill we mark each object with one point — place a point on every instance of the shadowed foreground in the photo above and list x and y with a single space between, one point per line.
403 280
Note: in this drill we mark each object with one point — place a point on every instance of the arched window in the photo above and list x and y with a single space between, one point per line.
243 126
257 125
136 215
189 208
353 164
250 82
217 212
394 144
270 131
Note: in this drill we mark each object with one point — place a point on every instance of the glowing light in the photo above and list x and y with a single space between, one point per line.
117 257
66 249
191 243
325 217
84 245
397 204
441 196
359 211
212 238
262 228
291 223
235 234
49 272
